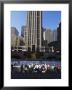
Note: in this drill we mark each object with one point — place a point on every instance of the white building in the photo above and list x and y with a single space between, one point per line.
50 35
14 37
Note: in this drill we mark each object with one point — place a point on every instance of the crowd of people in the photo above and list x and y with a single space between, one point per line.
35 68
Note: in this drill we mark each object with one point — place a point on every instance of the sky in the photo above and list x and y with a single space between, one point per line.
50 19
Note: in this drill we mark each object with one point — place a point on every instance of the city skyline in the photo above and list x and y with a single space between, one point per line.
50 19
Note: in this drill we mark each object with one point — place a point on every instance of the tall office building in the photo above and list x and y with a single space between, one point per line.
24 35
23 30
55 35
34 29
48 35
14 37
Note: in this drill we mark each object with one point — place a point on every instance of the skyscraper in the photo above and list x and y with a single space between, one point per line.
14 37
23 28
48 35
34 28
55 35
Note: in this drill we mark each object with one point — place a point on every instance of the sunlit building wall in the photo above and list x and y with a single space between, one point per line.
34 29
14 37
